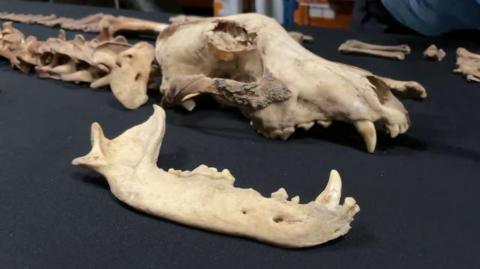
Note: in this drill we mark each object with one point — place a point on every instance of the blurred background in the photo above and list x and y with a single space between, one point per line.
426 17
325 13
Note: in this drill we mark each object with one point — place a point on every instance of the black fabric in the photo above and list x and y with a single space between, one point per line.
418 193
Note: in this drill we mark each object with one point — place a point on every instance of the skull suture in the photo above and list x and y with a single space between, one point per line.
249 61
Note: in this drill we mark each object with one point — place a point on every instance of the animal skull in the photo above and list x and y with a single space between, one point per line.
249 61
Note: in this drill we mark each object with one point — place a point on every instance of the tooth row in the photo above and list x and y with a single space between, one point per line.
204 170
286 132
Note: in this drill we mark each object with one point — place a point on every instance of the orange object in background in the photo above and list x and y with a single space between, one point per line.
325 13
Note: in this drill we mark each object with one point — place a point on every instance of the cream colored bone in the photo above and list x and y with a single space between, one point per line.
103 61
432 52
249 61
468 64
355 46
91 23
207 198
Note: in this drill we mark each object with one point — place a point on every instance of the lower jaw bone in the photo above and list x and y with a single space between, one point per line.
206 198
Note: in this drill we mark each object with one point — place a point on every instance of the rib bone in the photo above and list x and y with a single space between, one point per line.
355 46
206 198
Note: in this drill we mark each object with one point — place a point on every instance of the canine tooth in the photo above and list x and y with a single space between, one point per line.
280 194
368 133
306 125
324 123
295 199
330 196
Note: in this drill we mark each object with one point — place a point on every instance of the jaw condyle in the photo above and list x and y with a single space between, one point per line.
207 198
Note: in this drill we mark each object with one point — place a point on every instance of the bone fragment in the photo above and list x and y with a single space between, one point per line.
207 198
468 64
434 53
393 52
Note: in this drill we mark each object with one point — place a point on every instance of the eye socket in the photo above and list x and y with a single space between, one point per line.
137 77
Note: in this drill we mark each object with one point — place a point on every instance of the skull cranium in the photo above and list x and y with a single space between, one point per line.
249 61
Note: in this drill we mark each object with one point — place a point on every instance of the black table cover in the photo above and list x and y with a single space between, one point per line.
418 193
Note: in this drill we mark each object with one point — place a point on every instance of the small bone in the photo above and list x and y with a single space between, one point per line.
468 64
208 199
432 52
393 52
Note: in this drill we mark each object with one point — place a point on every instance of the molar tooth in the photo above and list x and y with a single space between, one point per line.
369 134
394 130
280 194
330 196
324 123
286 133
295 199
226 174
351 206
306 125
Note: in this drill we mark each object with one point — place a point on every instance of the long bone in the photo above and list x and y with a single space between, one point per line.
206 198
355 46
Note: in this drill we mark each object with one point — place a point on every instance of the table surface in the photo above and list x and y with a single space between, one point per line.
417 193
